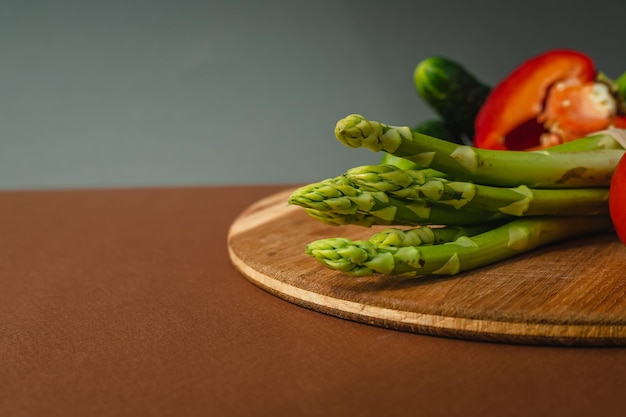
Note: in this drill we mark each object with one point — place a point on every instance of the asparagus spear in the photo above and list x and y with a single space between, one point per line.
423 235
364 257
518 201
340 197
356 219
606 139
438 233
483 166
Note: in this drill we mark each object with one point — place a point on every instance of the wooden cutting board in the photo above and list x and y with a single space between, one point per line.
571 293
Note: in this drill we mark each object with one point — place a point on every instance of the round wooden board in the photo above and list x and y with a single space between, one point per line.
572 293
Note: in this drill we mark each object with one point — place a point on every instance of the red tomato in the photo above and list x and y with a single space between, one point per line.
617 199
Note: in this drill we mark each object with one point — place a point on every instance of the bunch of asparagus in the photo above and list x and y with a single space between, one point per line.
456 207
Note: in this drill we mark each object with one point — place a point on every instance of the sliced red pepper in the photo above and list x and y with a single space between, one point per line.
552 98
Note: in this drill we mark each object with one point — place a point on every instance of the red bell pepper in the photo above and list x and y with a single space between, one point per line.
552 98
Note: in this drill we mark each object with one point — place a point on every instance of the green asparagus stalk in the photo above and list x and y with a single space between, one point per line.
388 159
518 201
340 197
356 219
483 166
364 257
606 139
368 220
596 141
420 236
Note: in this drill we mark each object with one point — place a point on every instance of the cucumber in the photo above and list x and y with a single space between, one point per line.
438 128
452 92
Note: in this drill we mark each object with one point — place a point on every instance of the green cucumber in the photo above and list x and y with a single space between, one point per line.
438 128
452 92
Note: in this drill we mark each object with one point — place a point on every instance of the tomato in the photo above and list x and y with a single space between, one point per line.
617 199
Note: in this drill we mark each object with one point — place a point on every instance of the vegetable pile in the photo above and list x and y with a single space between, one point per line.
486 181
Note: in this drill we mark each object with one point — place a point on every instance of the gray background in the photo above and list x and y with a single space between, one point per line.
165 93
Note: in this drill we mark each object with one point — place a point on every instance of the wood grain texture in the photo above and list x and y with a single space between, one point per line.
571 293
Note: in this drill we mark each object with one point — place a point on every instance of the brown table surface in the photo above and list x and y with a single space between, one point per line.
125 303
